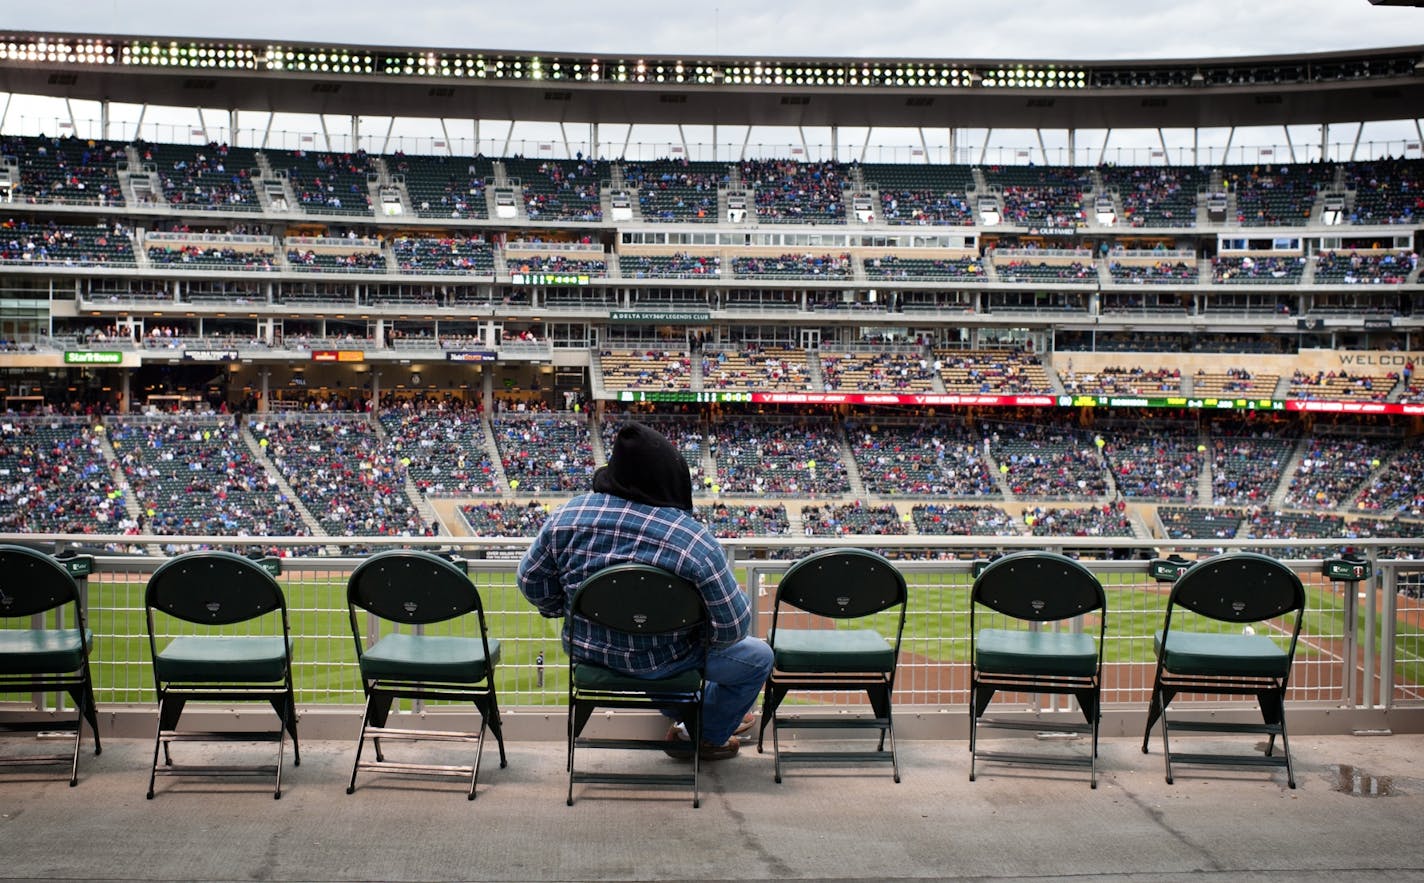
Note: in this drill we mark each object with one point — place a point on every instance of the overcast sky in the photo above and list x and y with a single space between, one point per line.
1081 29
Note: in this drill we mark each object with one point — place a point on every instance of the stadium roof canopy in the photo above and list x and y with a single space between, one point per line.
247 75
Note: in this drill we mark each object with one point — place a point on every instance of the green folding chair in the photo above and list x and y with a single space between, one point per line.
637 599
37 657
1012 601
824 640
1231 628
218 632
407 595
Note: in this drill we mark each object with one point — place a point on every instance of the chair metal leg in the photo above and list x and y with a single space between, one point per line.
360 744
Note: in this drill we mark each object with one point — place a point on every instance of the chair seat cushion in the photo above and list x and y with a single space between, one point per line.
1007 651
222 658
432 658
1197 653
42 651
587 676
832 650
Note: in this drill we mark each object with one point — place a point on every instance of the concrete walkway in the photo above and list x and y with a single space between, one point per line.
820 823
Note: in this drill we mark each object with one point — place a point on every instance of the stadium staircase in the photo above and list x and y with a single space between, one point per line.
274 192
813 370
993 466
423 505
1278 496
857 484
1282 389
1205 481
695 375
496 461
139 182
130 498
260 456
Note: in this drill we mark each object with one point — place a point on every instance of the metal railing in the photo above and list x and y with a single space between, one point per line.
1362 648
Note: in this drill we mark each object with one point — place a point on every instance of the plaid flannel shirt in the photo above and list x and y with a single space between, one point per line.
594 531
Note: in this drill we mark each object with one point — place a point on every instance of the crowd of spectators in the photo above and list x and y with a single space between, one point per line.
1161 272
879 372
943 519
923 206
997 372
1156 196
855 518
1271 195
890 267
1250 270
1107 520
1332 469
1122 380
794 266
545 453
1399 489
1199 522
932 458
505 519
455 255
351 482
755 367
687 434
1047 461
442 447
674 266
1245 469
348 262
200 177
545 263
70 245
67 170
1354 268
193 475
1387 191
1042 271
209 257
791 191
1341 385
728 521
54 478
799 458
646 369
1155 462
676 190
334 182
561 190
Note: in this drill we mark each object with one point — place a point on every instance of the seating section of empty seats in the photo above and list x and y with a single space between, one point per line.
677 190
211 177
922 194
445 186
560 189
793 192
1199 522
646 369
770 368
68 170
1038 196
1156 196
327 183
893 267
1341 385
444 255
673 266
1000 372
26 241
1273 195
1234 383
1262 270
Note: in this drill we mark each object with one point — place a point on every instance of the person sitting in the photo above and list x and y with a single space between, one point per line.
640 511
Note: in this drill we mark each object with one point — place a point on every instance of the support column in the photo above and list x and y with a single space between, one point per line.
232 116
1072 148
1226 151
1103 153
104 119
866 146
355 133
264 402
125 393
984 151
1359 128
1290 145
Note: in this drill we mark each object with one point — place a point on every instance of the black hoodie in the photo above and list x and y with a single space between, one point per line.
644 467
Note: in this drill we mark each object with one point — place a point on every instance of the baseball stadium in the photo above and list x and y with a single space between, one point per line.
294 315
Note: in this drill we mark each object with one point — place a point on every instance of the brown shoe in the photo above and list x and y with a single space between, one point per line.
677 745
708 751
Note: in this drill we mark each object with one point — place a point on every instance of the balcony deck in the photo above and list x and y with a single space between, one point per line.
818 824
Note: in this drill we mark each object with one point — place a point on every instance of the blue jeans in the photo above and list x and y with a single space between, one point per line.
735 677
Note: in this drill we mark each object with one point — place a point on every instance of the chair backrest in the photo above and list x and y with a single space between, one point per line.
1239 587
639 599
213 588
842 584
1037 587
32 582
411 586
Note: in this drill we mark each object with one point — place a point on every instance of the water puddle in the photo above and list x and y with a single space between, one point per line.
1358 783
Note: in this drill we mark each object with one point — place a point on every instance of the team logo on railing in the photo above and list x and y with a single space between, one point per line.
213 606
410 607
